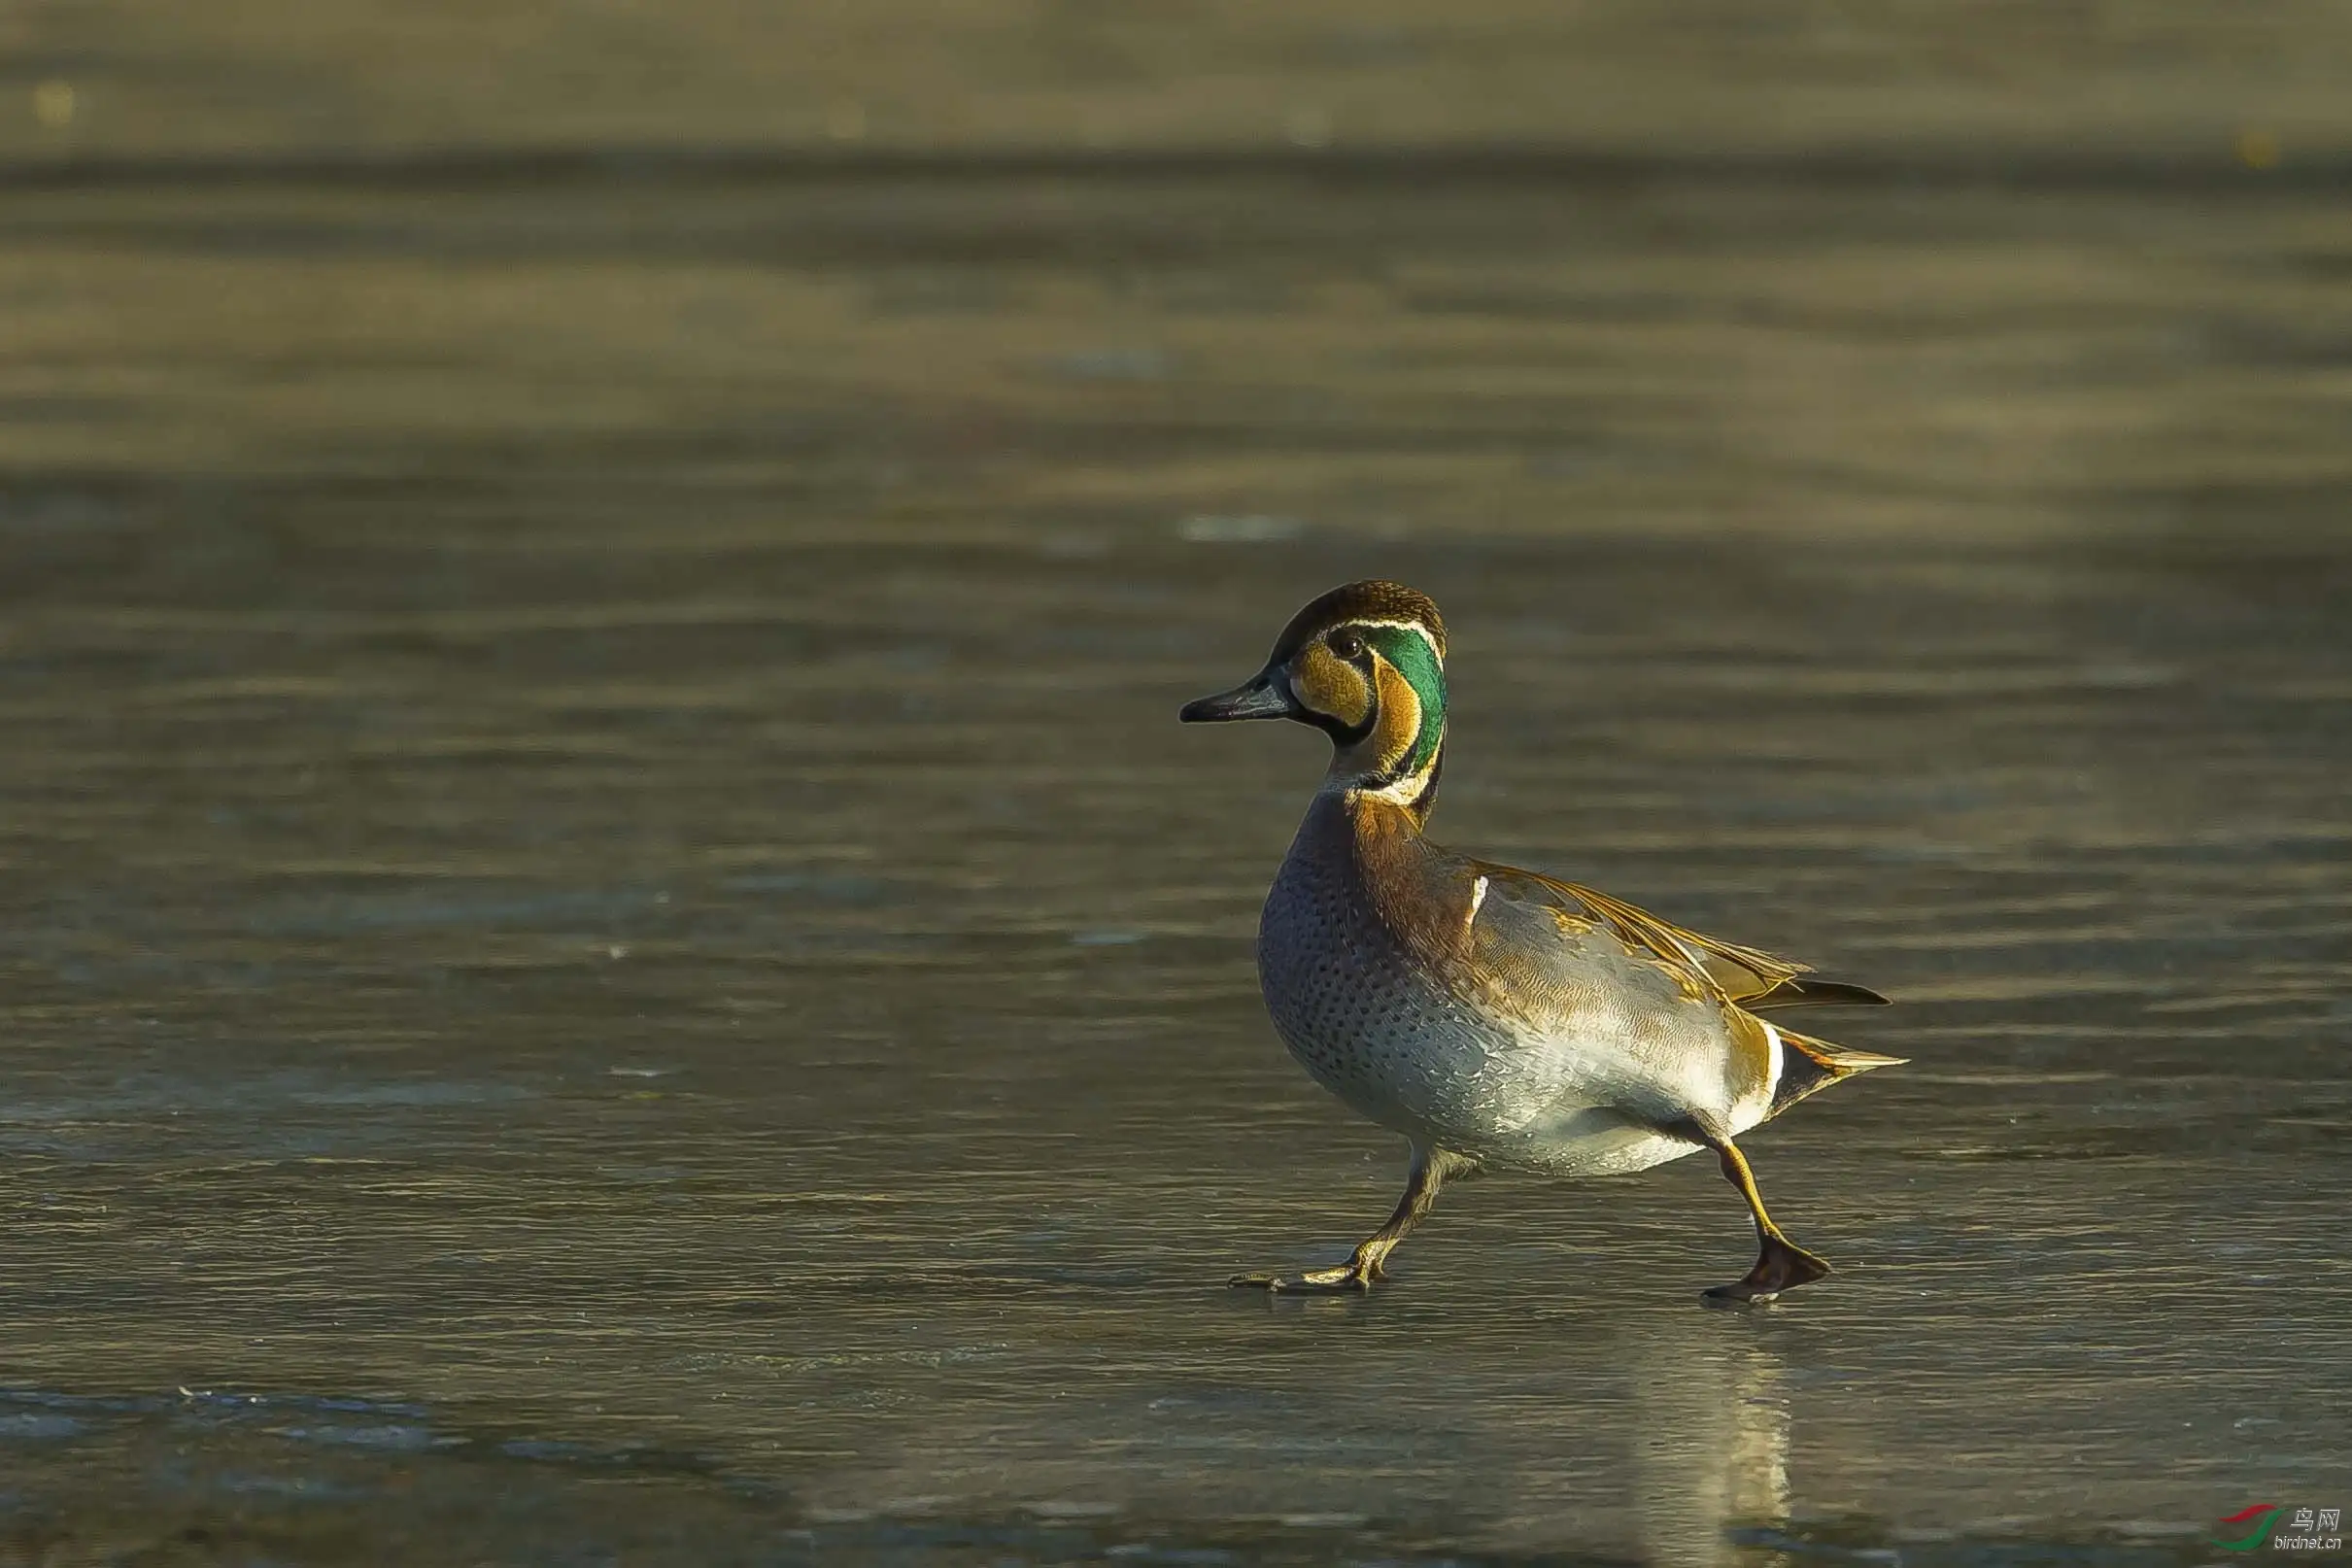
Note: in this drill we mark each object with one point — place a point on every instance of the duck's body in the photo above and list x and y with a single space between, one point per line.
1467 1008
1496 1018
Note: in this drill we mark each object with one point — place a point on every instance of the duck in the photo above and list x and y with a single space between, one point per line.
1499 1019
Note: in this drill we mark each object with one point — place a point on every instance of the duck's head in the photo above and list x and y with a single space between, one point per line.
1365 664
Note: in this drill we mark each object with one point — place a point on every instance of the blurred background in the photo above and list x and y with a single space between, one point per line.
609 951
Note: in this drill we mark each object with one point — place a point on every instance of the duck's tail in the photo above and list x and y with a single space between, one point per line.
1811 990
1808 1063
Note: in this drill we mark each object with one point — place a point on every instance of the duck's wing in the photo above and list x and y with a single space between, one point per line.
1703 966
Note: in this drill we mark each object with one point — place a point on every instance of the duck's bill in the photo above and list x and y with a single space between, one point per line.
1261 696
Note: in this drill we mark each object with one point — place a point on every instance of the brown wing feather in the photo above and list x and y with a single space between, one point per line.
1706 967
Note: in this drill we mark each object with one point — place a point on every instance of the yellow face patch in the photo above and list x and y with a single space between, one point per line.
1399 719
1327 684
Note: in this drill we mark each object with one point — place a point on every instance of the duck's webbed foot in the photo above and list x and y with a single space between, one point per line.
1780 1265
1432 1168
1351 1277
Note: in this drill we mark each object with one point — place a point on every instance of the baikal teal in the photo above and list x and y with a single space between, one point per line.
1498 1019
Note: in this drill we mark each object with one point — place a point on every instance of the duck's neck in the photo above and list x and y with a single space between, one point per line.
1412 795
1397 885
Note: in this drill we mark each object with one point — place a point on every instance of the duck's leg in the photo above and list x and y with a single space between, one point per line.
1432 1168
1780 1263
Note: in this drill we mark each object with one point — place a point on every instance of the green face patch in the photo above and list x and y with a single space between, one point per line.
1409 653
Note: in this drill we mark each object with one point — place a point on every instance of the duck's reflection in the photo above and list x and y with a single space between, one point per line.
1712 1455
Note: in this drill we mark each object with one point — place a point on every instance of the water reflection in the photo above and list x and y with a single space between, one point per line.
1712 1450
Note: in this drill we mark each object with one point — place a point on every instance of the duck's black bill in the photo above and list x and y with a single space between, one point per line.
1258 697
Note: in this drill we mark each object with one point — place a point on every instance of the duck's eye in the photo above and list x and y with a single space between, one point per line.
1346 644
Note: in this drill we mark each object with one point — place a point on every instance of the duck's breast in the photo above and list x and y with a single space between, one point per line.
1364 1017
